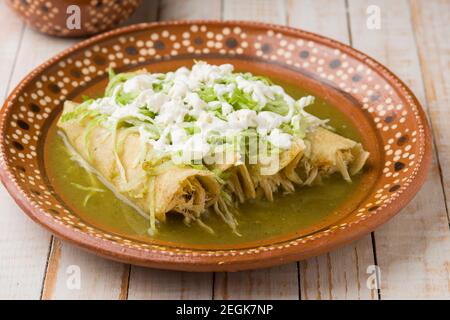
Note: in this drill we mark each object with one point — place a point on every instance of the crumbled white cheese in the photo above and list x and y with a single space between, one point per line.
138 83
279 139
183 122
268 121
197 105
173 111
222 89
242 119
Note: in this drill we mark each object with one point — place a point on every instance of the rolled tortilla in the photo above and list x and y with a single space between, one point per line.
125 161
329 152
170 188
282 173
321 154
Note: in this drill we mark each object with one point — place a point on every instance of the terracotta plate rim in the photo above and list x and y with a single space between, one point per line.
218 260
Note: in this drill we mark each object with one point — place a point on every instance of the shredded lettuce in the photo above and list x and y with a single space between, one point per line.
125 98
207 94
277 105
241 100
251 77
111 73
117 79
147 113
170 111
84 188
79 111
191 128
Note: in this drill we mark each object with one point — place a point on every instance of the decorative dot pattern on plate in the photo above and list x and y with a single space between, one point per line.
388 104
60 18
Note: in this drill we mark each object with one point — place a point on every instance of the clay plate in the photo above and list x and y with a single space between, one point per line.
384 110
54 16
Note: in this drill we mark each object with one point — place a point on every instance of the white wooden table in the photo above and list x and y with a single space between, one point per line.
412 250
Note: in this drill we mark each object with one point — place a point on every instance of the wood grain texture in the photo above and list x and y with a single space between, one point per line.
340 274
24 246
157 284
413 248
10 41
189 9
256 10
274 283
37 48
161 284
432 31
325 17
14 282
99 278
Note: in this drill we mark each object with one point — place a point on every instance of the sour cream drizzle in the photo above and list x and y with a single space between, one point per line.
185 123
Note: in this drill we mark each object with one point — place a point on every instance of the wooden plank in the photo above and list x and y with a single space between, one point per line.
274 283
23 252
412 248
189 9
256 10
35 49
24 245
10 45
76 274
99 278
430 23
157 284
340 274
163 284
304 14
14 283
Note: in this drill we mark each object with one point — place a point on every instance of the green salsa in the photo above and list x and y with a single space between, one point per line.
302 212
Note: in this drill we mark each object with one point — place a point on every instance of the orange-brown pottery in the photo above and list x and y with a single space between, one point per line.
73 18
389 118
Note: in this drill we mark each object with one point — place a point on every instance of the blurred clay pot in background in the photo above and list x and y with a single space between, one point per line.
73 18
